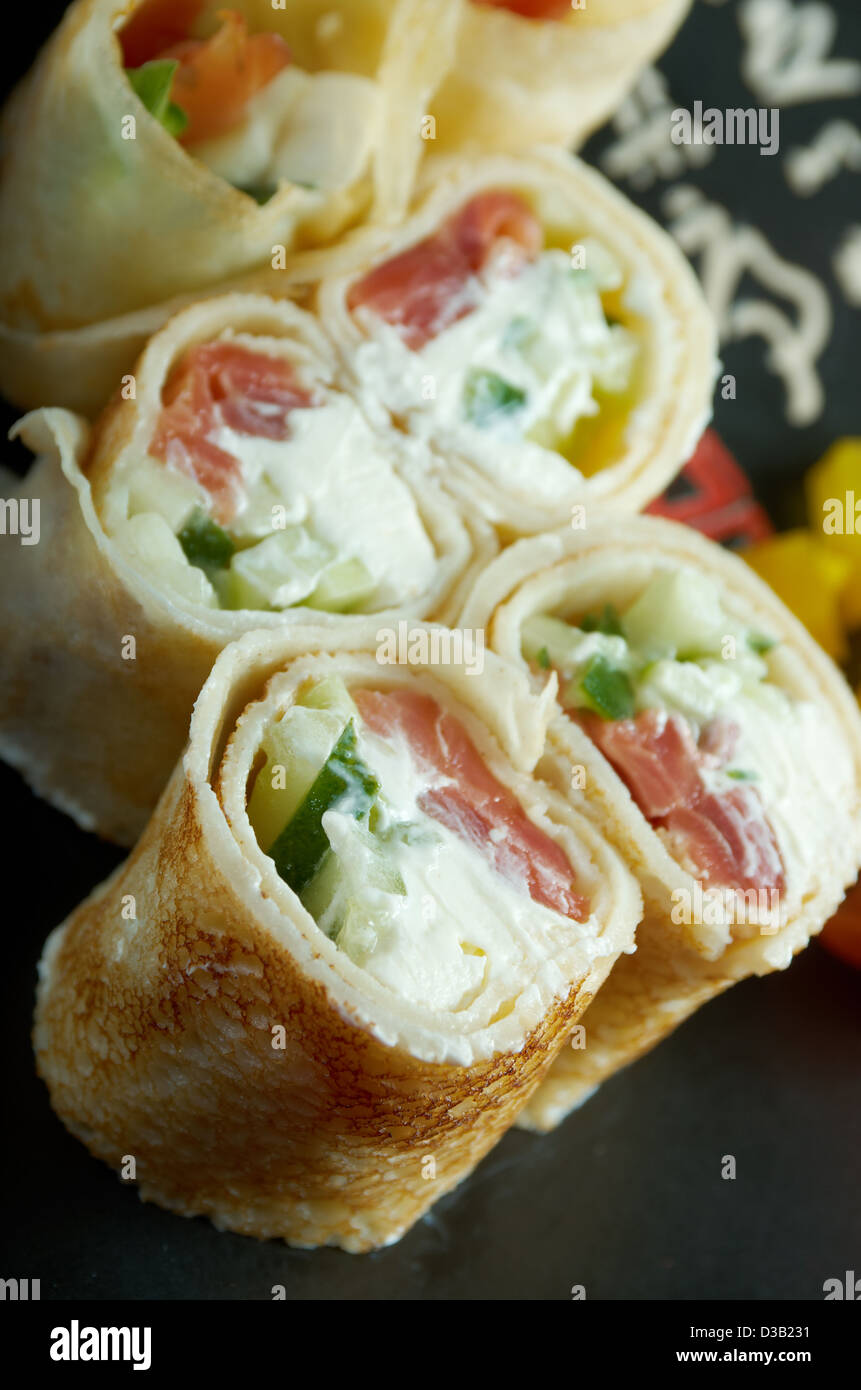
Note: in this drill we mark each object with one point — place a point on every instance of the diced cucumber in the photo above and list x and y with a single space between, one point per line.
343 587
488 397
541 633
694 690
279 571
329 693
344 780
606 271
319 897
678 614
566 647
517 333
347 897
358 935
151 546
157 487
296 747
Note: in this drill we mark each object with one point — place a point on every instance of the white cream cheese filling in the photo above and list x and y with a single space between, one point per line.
543 331
462 935
314 129
332 475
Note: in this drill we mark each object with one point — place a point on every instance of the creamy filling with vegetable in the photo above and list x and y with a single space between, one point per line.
312 129
373 835
737 777
237 103
263 489
527 356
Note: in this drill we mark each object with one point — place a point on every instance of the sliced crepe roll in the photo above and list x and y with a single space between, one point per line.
529 71
345 950
711 740
177 144
545 337
231 484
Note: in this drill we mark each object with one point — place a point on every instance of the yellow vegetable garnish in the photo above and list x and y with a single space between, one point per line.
809 576
833 490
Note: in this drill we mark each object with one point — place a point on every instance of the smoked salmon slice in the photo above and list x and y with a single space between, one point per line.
471 801
216 77
155 26
425 289
531 9
725 834
223 384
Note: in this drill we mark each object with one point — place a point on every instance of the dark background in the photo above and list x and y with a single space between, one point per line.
626 1197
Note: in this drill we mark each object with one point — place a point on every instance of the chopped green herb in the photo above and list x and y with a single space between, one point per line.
607 622
152 83
759 643
303 844
205 544
487 396
738 774
607 690
543 659
260 192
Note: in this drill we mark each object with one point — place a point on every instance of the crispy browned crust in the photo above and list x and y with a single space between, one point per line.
159 996
166 1054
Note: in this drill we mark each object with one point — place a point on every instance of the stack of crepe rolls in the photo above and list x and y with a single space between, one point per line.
164 148
710 739
232 483
548 340
546 70
346 949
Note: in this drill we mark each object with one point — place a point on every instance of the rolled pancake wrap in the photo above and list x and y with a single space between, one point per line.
191 1013
121 221
518 80
797 816
546 338
112 630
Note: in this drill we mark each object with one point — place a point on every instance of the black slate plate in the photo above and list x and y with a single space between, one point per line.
626 1198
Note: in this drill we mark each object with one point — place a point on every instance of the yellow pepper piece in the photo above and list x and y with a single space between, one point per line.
809 576
833 490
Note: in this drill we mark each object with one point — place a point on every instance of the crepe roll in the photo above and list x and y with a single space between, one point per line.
529 71
545 337
346 949
710 739
232 483
166 147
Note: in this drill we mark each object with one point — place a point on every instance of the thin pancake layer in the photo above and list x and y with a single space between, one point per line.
696 939
106 213
547 339
105 646
517 81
